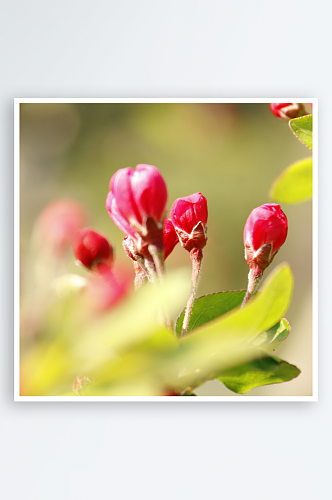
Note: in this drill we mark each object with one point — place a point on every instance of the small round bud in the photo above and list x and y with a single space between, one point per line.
264 233
189 217
91 248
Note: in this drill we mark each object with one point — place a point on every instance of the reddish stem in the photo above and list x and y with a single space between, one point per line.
196 256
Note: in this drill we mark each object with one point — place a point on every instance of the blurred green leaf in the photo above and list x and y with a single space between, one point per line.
136 320
222 344
272 339
149 358
302 128
209 307
294 185
264 371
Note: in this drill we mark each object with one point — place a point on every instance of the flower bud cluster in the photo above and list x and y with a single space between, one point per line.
137 205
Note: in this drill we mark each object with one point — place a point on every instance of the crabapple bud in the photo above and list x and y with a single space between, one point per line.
117 218
264 233
287 110
56 225
170 237
189 217
108 287
139 197
91 248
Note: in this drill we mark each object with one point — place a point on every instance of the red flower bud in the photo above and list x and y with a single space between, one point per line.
189 217
264 233
107 288
140 194
137 204
91 248
57 223
117 218
287 110
170 237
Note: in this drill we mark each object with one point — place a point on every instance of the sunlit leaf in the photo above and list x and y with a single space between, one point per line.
272 339
264 371
302 128
210 307
294 185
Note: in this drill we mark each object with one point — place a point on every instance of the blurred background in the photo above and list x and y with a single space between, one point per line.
231 153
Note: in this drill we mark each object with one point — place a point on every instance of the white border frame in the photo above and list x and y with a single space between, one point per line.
243 399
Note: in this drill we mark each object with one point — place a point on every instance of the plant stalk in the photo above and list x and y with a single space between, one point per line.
158 259
254 279
196 256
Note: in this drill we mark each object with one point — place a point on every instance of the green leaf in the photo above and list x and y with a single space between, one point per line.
302 128
272 339
209 307
228 341
294 185
264 371
260 314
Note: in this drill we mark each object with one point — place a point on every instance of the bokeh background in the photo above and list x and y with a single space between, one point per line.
231 153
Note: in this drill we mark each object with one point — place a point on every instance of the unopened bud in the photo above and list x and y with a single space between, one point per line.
91 248
137 202
56 225
170 238
264 233
287 110
189 218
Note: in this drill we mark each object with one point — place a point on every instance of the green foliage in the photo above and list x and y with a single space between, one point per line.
294 185
126 352
302 128
274 337
210 307
264 371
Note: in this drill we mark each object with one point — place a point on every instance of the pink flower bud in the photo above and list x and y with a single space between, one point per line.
117 218
264 233
107 288
91 248
57 223
170 237
287 110
189 217
140 194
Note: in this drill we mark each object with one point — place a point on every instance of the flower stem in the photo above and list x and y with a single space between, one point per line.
196 256
140 275
254 279
158 259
